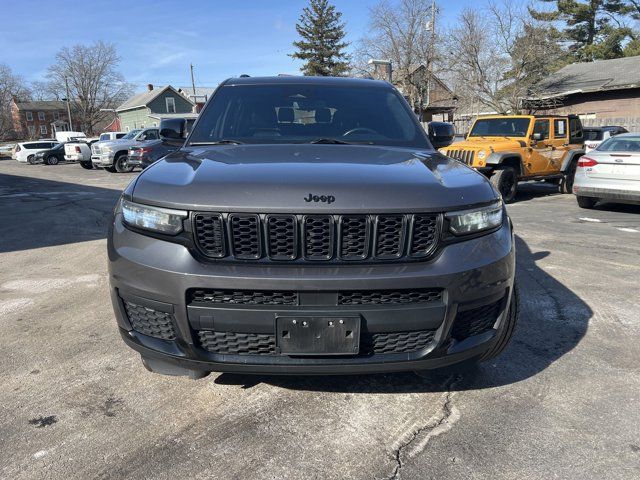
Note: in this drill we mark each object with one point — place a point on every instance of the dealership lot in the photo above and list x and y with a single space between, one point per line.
77 403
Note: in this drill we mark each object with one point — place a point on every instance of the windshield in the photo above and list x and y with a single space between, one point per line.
131 134
593 134
500 127
620 144
304 113
58 146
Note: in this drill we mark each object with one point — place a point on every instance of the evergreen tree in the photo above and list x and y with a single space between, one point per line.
322 40
592 26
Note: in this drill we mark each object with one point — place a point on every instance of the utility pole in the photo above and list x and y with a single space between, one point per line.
432 43
66 85
193 82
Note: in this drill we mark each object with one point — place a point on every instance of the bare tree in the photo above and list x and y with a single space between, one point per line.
497 57
91 76
11 85
401 31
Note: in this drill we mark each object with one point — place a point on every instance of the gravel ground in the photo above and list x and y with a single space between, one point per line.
561 402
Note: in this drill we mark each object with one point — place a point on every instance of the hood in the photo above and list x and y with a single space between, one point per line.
496 143
310 179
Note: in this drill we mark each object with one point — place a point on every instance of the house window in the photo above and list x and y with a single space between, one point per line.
43 129
171 104
32 130
127 128
29 116
41 116
56 115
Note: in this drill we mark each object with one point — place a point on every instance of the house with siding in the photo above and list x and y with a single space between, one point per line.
148 108
604 92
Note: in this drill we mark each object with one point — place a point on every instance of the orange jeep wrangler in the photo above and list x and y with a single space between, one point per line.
513 148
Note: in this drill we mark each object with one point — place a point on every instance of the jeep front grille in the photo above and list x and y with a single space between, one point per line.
465 156
316 238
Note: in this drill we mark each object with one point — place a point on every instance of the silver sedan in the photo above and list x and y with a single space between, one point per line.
611 172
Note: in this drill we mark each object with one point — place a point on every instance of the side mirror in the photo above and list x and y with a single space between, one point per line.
174 131
441 134
537 137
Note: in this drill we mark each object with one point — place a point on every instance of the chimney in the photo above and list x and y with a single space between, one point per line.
381 69
149 86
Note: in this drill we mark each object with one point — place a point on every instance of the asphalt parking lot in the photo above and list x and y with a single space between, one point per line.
562 402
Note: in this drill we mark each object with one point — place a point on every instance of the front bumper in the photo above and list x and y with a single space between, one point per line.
156 276
102 160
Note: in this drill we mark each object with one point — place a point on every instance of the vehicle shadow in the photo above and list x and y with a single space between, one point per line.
530 190
552 321
36 213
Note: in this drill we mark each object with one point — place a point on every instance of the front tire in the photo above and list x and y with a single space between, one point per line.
586 202
505 180
52 160
120 164
87 165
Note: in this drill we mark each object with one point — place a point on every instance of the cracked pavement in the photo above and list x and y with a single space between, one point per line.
76 403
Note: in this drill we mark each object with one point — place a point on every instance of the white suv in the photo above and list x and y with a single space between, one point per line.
25 152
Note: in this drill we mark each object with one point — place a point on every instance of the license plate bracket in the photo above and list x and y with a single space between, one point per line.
302 335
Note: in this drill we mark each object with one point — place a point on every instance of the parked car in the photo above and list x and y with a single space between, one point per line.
80 151
107 136
25 152
148 151
112 155
67 136
511 148
594 136
611 172
52 156
308 226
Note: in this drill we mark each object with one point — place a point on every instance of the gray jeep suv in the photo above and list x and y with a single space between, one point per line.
308 226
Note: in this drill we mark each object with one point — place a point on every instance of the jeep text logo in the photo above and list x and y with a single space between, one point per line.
320 198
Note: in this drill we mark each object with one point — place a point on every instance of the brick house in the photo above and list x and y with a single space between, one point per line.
604 92
38 119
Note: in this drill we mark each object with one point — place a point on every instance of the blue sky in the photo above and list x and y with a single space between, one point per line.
157 40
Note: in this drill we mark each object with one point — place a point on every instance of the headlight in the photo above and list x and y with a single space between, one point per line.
482 154
475 220
156 219
107 149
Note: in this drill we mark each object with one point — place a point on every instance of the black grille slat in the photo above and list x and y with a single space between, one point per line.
382 297
475 321
242 297
298 238
424 235
150 322
390 235
282 237
396 342
354 237
210 234
230 343
318 237
245 235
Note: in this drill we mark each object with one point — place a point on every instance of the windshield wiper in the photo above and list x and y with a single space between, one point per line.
217 142
332 141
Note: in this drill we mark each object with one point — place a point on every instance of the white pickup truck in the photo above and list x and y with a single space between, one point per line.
79 150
